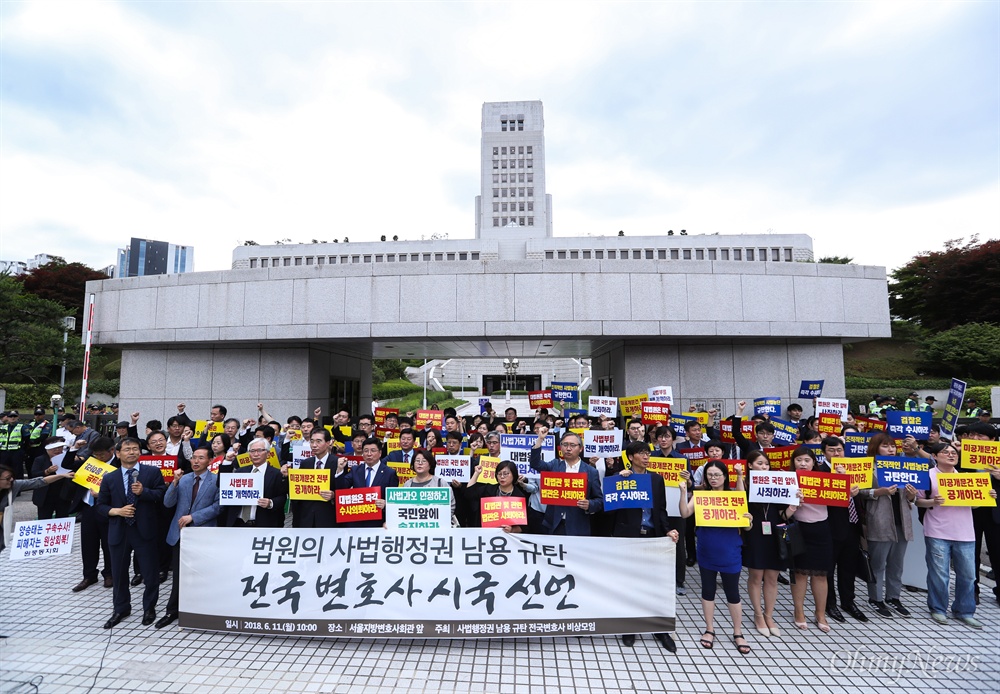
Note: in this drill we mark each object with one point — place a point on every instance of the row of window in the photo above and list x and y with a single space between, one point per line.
520 150
502 163
514 178
361 258
776 254
514 207
514 192
504 124
503 221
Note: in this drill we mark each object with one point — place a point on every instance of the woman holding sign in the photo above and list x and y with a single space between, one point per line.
760 553
888 530
509 483
817 559
423 464
719 554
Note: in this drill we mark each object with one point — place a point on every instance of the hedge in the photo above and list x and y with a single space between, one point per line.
397 388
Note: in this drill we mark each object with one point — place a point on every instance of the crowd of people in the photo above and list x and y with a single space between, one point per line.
137 520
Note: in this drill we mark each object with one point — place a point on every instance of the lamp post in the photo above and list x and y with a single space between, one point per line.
69 324
510 368
425 383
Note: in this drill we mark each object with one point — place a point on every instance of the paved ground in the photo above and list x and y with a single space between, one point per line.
56 644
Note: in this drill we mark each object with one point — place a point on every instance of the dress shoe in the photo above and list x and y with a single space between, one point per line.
163 576
84 584
691 561
666 642
628 640
116 618
171 617
853 610
148 617
136 580
782 580
109 582
834 612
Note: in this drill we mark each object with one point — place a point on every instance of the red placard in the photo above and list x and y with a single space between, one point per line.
563 488
358 504
780 457
352 460
382 412
830 424
497 511
726 430
825 488
655 413
694 454
429 419
383 433
869 424
731 466
539 398
165 463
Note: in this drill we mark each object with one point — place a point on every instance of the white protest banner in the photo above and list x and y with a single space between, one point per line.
240 488
661 394
453 467
58 461
602 406
767 487
425 584
602 443
517 449
44 538
418 507
832 406
300 450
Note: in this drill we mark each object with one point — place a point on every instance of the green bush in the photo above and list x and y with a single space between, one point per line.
111 386
982 396
415 401
22 396
394 389
881 385
973 348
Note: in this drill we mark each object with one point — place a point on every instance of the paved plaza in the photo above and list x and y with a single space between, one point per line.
56 643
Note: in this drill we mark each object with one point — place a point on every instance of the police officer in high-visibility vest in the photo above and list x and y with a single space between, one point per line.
873 405
972 408
13 441
928 405
912 404
38 432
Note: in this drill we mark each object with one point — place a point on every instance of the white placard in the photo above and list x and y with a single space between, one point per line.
517 449
240 488
453 467
661 394
418 508
44 538
602 406
767 487
833 406
300 450
602 443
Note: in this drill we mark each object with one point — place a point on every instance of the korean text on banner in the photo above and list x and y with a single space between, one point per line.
833 406
43 538
429 419
488 469
603 443
565 392
726 430
780 457
825 488
856 443
453 467
899 471
91 473
953 408
768 487
965 488
860 470
305 485
538 399
829 424
498 511
771 406
632 405
664 394
413 507
517 449
240 488
166 464
655 413
902 424
357 504
563 488
382 412
669 469
980 455
602 406
423 584
811 389
785 433
634 491
720 509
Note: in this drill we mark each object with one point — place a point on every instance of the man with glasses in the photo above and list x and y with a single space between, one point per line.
318 514
269 510
130 499
373 473
569 520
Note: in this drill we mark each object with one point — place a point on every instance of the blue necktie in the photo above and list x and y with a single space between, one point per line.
368 478
129 496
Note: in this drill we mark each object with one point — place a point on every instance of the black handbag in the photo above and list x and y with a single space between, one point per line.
863 570
790 541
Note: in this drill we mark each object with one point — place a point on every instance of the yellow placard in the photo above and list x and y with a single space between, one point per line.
578 432
347 431
720 509
965 488
488 471
861 470
702 417
481 451
632 405
392 445
669 468
628 463
980 455
206 429
305 485
243 459
91 473
293 435
403 471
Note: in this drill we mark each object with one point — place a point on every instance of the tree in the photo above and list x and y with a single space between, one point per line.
31 335
972 349
64 283
942 289
837 260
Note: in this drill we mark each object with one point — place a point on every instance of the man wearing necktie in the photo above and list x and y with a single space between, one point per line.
269 511
373 473
318 514
405 453
129 498
195 498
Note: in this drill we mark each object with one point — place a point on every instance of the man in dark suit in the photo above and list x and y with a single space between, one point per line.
49 499
129 498
195 498
269 511
405 452
318 514
93 526
646 522
374 473
567 520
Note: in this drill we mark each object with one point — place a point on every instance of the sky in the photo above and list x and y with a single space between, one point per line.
873 127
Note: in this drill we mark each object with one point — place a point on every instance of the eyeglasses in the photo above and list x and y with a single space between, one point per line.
568 444
6 478
714 474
